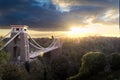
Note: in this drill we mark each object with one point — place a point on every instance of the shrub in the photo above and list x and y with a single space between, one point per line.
93 62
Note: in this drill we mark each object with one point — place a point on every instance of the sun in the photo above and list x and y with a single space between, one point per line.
79 32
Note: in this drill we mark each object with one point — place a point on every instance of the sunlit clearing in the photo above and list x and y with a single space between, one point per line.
79 32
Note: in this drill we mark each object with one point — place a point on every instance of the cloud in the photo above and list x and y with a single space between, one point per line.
85 12
99 3
59 13
26 12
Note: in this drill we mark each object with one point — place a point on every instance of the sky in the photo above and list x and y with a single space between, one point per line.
98 17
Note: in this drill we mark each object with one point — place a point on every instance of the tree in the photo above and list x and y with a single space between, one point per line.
115 61
59 68
92 63
3 59
36 70
14 72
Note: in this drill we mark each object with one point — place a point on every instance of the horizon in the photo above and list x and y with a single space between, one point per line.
73 18
45 33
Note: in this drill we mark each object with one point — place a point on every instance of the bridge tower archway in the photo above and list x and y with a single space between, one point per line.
19 46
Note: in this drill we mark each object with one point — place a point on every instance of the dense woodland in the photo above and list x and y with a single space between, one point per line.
88 58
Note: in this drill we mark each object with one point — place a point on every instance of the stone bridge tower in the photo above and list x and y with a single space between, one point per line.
19 47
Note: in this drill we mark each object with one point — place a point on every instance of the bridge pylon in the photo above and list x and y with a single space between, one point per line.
19 46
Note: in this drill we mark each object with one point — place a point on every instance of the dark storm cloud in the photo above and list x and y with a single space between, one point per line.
55 13
27 12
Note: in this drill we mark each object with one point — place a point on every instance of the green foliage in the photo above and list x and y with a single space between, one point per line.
36 70
74 49
1 43
72 53
1 70
92 63
14 72
115 61
114 75
59 67
3 57
3 60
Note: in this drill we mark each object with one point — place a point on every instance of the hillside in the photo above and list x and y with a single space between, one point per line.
69 64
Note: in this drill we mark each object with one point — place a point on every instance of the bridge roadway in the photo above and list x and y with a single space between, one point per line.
39 50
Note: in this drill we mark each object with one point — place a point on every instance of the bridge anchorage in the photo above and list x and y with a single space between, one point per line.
19 45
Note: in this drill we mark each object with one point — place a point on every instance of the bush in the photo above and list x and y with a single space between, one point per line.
115 61
92 63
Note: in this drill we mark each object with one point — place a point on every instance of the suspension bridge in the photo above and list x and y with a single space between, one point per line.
20 42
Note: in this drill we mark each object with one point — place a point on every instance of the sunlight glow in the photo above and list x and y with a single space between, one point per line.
94 30
79 32
74 31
